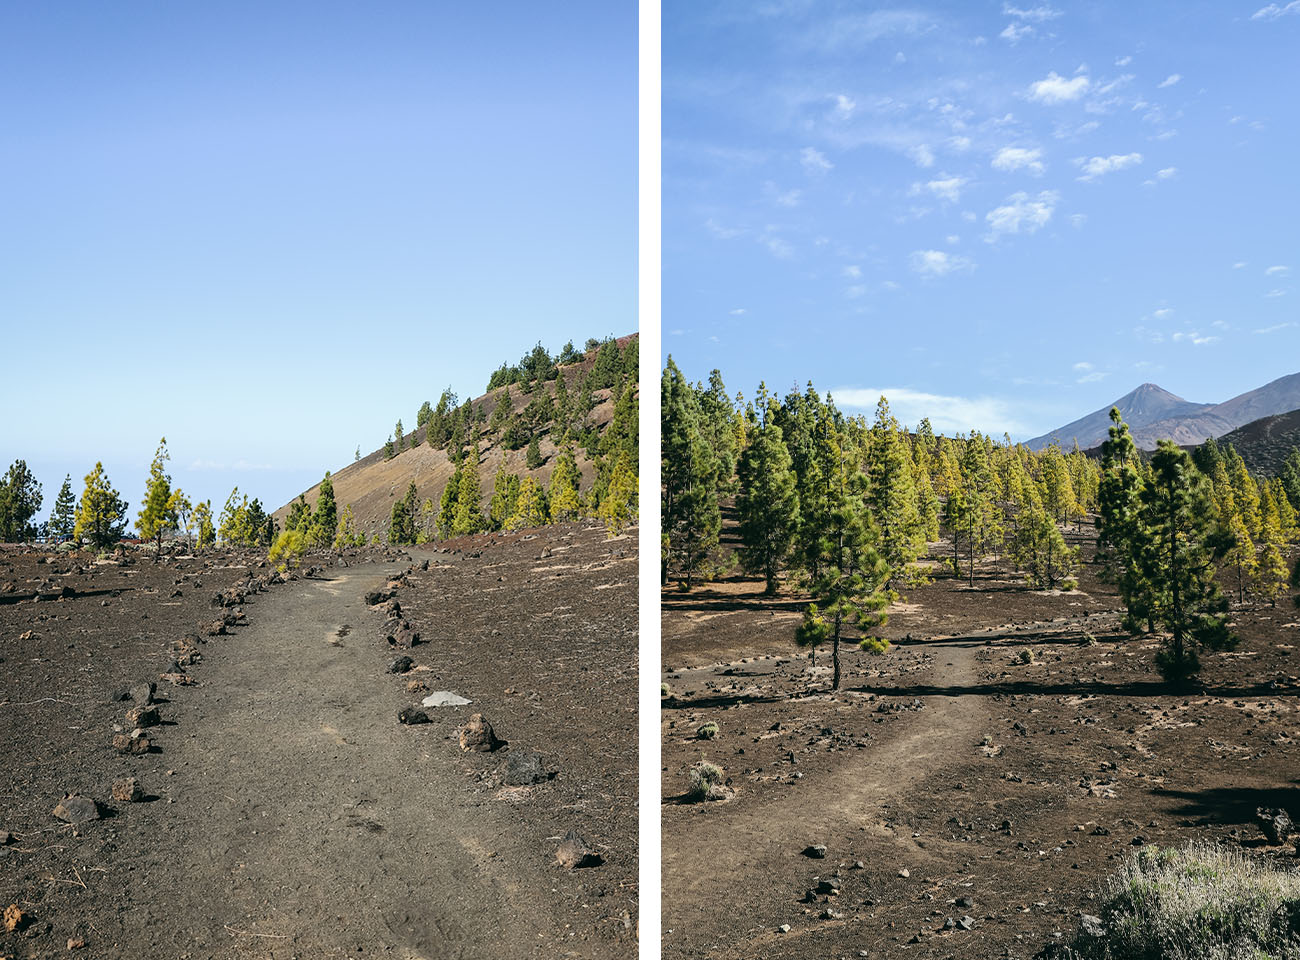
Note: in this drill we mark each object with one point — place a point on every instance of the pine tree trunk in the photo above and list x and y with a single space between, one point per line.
835 658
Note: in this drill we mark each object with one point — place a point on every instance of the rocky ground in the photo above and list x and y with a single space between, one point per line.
280 808
970 787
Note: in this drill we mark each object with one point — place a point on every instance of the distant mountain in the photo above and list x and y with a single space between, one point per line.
1265 443
1147 405
1154 414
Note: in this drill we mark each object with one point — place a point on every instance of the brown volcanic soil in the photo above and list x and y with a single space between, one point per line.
286 812
1018 786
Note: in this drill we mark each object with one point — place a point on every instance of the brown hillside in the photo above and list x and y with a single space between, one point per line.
372 484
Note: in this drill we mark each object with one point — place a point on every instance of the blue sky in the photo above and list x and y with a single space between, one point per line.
1003 215
269 230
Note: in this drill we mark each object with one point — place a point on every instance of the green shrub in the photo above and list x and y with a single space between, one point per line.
1197 901
704 776
707 731
1027 655
876 645
289 547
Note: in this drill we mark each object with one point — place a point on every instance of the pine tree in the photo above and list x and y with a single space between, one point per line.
531 509
401 521
1176 557
1119 530
101 514
64 517
345 534
447 507
399 438
565 502
533 457
1290 477
158 514
325 521
1270 570
892 494
970 508
690 514
203 523
469 505
20 498
767 504
851 585
184 515
618 508
505 497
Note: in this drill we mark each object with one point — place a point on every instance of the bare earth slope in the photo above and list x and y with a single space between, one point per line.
969 802
287 812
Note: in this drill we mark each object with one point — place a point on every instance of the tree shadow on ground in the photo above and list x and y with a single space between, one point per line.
1235 805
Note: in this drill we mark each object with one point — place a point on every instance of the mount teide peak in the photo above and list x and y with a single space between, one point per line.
1154 414
1144 407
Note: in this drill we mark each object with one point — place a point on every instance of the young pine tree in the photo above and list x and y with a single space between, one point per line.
851 585
207 534
767 504
892 494
101 514
159 514
565 502
531 509
618 507
469 496
691 516
64 518
1119 522
325 520
1176 557
1270 569
533 456
20 498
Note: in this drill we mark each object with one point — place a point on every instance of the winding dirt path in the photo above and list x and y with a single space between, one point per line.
302 820
840 803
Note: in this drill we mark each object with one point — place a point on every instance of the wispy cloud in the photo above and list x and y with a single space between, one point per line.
1011 159
814 162
939 263
951 415
1039 14
1273 11
1088 373
1094 167
1169 81
1055 88
1021 214
1193 337
1015 32
782 198
946 188
922 155
1276 327
1278 270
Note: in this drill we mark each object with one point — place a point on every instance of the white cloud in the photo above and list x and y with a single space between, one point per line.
1164 313
947 189
1015 32
1275 293
1276 327
1092 377
1083 366
1077 220
1166 172
1239 264
738 312
844 106
788 198
1014 158
922 155
1273 11
1169 81
852 271
1056 89
721 232
952 239
777 247
1094 167
937 263
948 415
1277 271
960 144
1021 214
814 162
1194 338
1039 14
1123 61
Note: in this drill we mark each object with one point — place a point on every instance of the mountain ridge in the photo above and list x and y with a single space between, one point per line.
1153 414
